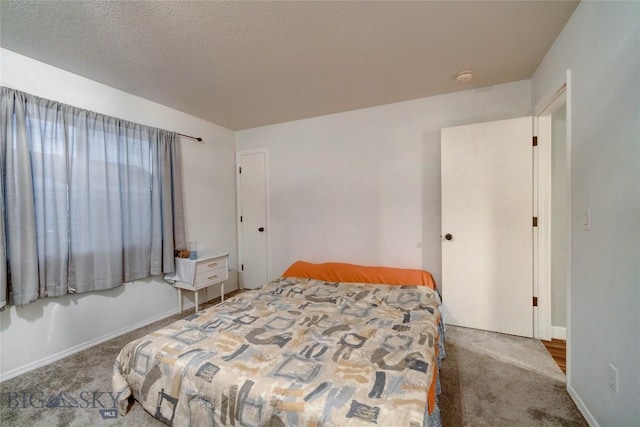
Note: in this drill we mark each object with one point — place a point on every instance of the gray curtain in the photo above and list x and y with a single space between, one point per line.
89 201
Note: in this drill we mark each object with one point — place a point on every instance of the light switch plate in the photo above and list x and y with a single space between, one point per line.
587 219
613 378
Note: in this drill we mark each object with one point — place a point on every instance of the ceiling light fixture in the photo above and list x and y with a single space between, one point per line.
464 76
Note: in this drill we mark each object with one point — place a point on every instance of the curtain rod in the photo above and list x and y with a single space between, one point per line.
197 138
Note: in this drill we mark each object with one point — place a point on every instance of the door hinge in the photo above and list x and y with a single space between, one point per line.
535 141
535 221
240 218
240 169
242 267
535 301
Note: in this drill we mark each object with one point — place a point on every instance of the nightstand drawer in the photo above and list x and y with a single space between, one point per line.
210 265
210 276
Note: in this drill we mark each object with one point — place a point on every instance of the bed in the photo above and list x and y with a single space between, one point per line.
323 345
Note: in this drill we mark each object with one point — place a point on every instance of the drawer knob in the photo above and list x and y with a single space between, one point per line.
213 277
212 265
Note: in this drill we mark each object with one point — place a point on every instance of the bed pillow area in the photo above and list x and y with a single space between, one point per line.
352 273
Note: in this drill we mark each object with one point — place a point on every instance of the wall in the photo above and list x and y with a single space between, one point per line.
52 328
364 186
600 46
560 196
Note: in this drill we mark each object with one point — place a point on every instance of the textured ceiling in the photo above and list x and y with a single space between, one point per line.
246 64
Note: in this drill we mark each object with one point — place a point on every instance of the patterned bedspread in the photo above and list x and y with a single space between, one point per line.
297 352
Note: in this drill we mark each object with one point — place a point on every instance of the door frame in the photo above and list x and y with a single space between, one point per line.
542 202
239 209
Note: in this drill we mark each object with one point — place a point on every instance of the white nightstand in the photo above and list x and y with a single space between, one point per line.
195 274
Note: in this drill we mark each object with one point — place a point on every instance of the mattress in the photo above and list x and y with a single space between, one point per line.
297 352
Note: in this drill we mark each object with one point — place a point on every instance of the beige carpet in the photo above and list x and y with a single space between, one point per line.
491 379
487 380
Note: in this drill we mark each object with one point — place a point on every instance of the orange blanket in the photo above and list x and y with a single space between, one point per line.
351 273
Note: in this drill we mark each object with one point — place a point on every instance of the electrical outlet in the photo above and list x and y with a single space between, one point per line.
613 378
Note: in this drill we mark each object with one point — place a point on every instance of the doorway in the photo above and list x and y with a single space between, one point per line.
560 207
554 193
554 208
253 218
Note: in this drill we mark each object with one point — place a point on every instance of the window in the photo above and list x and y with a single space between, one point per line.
89 201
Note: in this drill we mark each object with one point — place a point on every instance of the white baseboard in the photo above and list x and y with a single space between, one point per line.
559 332
80 347
582 407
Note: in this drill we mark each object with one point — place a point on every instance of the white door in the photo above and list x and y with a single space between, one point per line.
252 208
487 245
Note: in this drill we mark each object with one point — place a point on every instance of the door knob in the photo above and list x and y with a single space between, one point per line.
448 236
261 229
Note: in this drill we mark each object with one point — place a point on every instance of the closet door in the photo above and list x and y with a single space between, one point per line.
253 231
487 244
